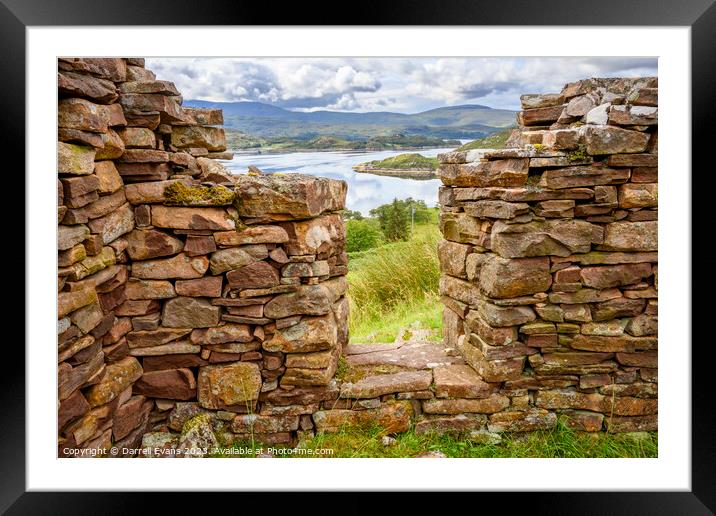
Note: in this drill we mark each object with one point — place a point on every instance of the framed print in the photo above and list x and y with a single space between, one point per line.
429 233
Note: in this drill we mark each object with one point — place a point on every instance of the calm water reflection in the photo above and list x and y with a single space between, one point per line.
365 191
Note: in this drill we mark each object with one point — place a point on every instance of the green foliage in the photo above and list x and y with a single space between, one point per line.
351 215
494 141
393 219
409 209
411 161
362 234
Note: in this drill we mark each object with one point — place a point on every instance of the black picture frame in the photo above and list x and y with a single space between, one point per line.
700 15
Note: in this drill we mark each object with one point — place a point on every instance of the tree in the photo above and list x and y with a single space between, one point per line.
394 220
351 215
361 235
421 214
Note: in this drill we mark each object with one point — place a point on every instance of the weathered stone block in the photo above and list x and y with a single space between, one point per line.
75 159
256 275
192 218
488 405
294 196
179 266
522 421
573 177
633 115
459 381
642 195
115 224
314 236
117 378
495 209
83 115
229 259
211 138
226 386
631 236
149 289
614 275
505 278
222 334
378 385
310 334
252 235
551 237
149 243
189 312
392 417
539 116
605 139
200 287
173 384
506 172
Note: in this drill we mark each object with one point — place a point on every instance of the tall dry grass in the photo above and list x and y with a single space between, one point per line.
393 278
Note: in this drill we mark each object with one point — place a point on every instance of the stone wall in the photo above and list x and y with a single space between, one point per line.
184 290
549 263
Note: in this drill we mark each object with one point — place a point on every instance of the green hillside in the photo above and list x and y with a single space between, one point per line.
493 141
266 121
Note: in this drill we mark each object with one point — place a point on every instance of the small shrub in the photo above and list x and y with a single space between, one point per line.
361 235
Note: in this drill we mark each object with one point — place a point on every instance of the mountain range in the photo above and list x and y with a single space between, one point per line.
267 121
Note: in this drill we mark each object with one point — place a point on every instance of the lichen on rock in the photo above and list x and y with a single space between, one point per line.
179 194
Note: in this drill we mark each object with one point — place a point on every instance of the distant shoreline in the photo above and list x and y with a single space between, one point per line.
419 174
253 152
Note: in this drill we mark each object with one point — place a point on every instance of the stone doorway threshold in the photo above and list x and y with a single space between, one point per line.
414 380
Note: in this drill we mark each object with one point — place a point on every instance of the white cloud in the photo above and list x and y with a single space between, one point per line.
384 84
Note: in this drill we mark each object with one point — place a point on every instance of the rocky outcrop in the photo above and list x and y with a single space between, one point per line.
549 264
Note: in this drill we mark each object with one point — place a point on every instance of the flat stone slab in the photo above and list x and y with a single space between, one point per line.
419 355
374 386
460 381
359 349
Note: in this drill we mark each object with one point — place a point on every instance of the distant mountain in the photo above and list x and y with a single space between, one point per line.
264 120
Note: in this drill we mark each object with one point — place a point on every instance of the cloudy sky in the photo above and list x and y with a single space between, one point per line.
405 85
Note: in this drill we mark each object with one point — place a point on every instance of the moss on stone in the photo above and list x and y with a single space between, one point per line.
195 422
179 194
342 368
579 154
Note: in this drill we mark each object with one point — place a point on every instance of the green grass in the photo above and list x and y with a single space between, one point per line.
410 161
494 141
560 442
393 285
427 311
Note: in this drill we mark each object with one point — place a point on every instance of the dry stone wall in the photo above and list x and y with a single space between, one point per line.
549 259
185 293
